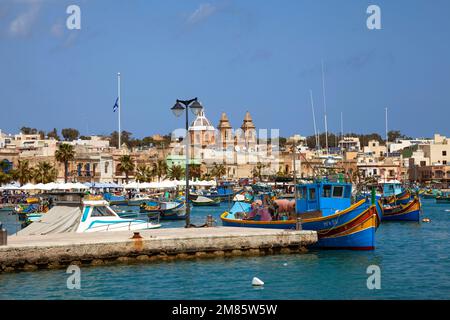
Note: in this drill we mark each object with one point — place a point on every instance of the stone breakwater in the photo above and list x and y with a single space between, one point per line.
28 253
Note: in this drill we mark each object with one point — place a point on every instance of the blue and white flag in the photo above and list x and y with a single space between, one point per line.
116 105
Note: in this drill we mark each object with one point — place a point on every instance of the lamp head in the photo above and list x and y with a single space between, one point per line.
196 107
177 109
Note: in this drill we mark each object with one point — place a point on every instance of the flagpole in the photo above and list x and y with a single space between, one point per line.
120 105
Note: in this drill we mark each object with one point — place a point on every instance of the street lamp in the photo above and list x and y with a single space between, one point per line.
179 107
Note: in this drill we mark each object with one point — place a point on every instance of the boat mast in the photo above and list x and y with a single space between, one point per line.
325 110
314 121
120 105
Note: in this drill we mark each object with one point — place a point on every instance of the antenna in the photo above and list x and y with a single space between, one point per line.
314 120
325 109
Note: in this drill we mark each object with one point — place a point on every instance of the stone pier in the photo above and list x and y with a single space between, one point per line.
27 253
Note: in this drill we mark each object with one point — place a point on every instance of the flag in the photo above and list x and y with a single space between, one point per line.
116 105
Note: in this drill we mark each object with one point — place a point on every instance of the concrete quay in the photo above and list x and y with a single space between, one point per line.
28 253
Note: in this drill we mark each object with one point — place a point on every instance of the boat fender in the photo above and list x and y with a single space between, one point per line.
426 220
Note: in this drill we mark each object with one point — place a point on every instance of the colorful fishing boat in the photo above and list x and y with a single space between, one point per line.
114 199
202 201
443 199
167 210
324 207
139 199
403 212
402 198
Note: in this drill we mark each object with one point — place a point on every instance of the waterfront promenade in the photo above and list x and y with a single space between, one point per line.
28 253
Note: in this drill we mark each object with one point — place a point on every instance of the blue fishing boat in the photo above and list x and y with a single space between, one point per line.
167 210
115 199
324 207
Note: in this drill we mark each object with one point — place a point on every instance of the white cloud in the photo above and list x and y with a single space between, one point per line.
22 24
204 11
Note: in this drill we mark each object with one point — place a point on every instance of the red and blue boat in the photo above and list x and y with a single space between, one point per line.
324 207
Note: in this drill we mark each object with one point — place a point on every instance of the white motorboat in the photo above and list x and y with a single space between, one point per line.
97 216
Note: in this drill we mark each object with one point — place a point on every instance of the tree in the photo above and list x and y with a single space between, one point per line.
257 170
393 135
218 171
125 138
23 173
5 177
44 172
64 154
28 130
176 172
70 134
126 166
160 169
195 171
144 173
53 134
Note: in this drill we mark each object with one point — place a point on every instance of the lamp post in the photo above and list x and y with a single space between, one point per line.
179 107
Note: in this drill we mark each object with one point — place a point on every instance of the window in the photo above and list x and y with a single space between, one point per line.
101 212
444 162
106 167
338 191
444 153
423 163
312 194
326 191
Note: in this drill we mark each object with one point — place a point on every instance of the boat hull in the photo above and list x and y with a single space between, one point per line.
408 212
353 228
177 213
442 199
214 203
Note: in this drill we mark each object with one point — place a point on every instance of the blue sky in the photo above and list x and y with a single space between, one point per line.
260 56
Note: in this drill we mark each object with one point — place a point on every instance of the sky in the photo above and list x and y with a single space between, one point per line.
235 56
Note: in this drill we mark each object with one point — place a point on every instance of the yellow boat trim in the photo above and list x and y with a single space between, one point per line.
352 207
369 223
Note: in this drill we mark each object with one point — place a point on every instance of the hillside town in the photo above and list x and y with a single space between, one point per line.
226 152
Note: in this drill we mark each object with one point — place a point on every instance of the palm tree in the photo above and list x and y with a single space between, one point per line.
44 172
64 154
160 169
23 173
195 171
176 172
126 165
257 170
5 178
218 171
144 173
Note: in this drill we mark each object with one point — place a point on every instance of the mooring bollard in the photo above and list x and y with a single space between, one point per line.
3 236
298 224
209 221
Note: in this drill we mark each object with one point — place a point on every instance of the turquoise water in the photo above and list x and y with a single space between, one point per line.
413 257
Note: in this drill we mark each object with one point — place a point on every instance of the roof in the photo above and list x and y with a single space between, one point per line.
201 123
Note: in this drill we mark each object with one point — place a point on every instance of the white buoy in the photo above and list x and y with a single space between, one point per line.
285 264
257 282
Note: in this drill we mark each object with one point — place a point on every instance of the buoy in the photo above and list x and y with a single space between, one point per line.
257 282
285 264
426 220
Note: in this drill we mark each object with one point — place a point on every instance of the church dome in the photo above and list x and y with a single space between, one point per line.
201 123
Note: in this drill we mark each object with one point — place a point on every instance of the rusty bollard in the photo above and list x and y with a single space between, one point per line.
298 224
3 236
209 221
136 235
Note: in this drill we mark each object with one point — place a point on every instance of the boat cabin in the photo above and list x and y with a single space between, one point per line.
392 189
323 197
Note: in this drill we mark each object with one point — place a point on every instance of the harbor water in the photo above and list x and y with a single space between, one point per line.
413 259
